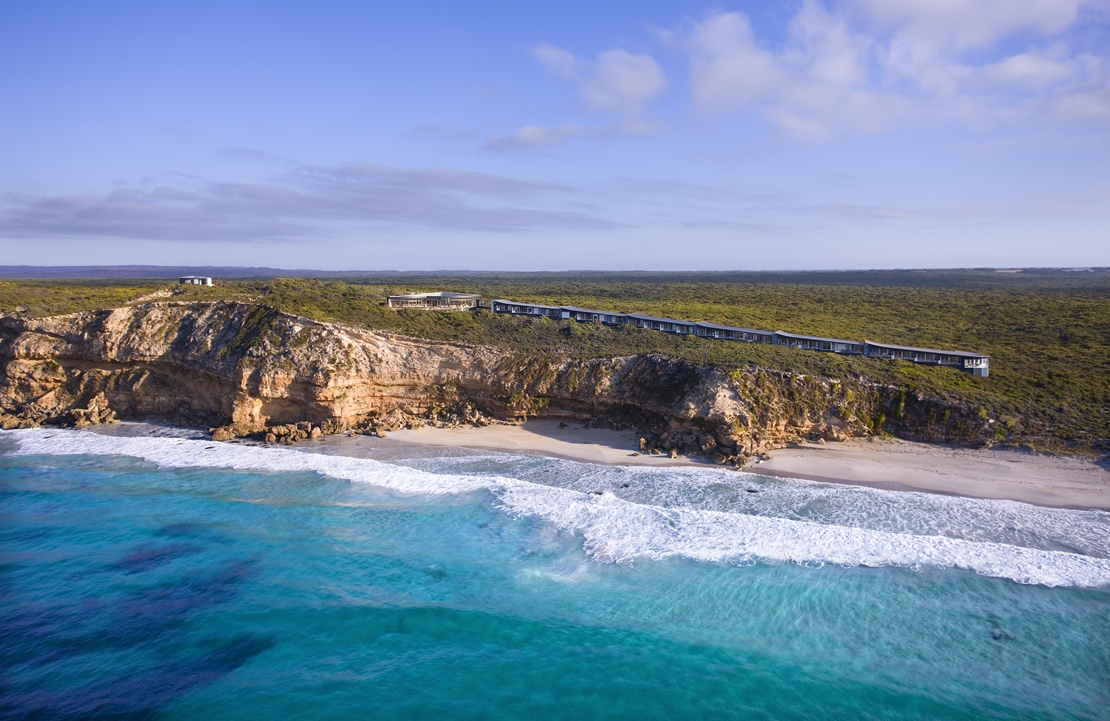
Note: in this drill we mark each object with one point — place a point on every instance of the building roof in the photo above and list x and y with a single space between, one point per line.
529 305
784 334
576 309
640 316
439 294
962 353
706 324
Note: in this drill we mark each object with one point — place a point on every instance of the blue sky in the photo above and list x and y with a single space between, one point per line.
528 136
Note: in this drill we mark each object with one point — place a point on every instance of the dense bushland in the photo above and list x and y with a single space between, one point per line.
1047 332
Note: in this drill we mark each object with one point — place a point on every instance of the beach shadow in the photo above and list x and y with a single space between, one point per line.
576 433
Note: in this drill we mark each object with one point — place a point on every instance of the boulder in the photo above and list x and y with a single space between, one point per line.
224 433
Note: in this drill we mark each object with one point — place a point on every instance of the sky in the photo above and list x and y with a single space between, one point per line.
647 135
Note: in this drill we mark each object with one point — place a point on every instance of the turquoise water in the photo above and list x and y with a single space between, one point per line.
168 577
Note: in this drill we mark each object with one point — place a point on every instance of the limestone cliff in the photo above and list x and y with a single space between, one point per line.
249 369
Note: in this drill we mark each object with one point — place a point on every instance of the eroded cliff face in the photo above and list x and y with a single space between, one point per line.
249 369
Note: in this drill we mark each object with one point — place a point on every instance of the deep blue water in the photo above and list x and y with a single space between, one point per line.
165 578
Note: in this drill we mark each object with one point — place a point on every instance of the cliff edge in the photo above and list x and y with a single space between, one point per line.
248 369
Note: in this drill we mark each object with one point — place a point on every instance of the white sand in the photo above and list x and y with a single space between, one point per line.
892 464
983 473
546 438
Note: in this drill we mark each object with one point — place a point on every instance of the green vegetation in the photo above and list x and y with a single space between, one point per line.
47 297
1047 332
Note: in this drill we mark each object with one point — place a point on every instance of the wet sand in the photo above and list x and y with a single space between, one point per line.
892 464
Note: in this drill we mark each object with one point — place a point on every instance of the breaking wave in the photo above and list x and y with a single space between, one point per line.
803 522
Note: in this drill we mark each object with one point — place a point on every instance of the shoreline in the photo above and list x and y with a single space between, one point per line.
888 464
898 465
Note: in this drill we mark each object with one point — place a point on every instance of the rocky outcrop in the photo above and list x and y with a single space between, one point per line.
246 369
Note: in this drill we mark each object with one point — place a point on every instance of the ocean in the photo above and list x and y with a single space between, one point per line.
150 573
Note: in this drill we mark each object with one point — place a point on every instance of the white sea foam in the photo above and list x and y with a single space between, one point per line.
618 529
902 512
190 453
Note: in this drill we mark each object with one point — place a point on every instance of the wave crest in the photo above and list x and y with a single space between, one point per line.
614 529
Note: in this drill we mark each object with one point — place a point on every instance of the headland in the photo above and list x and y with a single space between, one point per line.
285 360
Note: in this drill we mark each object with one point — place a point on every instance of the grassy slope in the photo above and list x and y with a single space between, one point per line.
1048 333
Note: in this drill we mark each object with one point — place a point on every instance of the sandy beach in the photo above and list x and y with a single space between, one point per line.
1066 482
1059 481
547 438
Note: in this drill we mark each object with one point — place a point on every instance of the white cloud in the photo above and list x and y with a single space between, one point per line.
623 82
532 136
1031 69
869 65
618 81
818 85
558 62
966 23
1091 103
726 66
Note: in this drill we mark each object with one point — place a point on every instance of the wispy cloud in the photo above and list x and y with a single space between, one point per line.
863 66
616 83
965 23
297 206
531 137
252 155
694 205
442 132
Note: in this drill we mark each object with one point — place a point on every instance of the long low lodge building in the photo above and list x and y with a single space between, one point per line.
974 363
812 342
